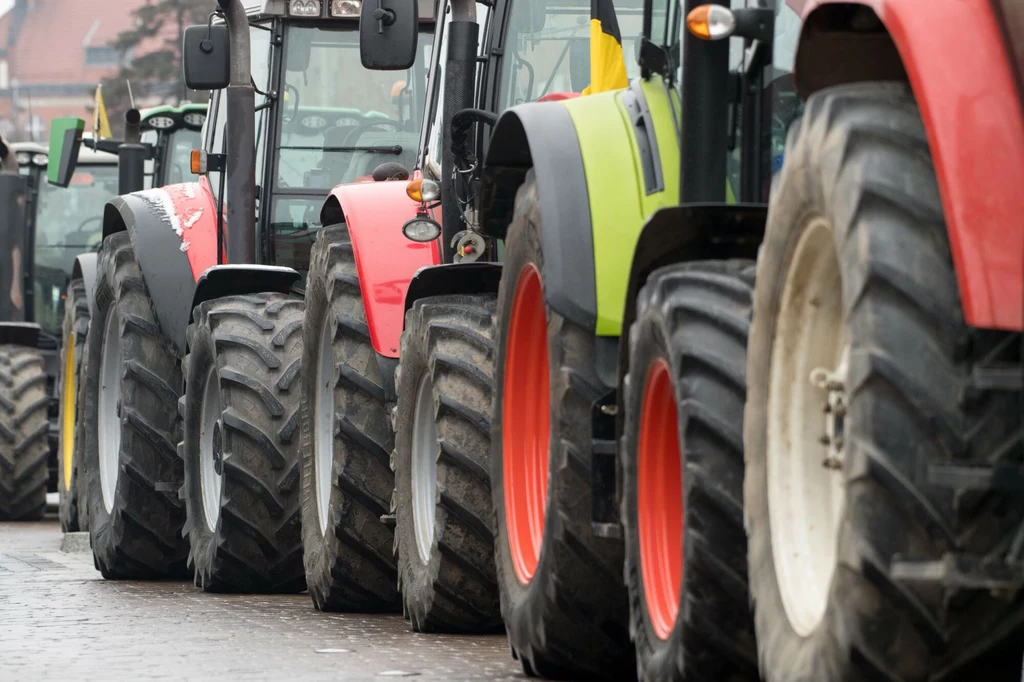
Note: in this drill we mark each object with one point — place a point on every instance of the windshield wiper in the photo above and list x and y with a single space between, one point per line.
393 149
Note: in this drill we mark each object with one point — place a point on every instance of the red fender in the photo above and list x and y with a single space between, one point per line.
192 209
374 213
960 72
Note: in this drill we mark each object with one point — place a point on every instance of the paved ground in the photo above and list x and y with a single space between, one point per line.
59 619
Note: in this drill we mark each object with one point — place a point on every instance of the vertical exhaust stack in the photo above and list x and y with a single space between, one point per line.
240 141
131 155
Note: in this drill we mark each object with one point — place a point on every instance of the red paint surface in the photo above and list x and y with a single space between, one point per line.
558 96
961 76
195 213
386 260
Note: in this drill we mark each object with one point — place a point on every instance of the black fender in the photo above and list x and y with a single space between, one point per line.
238 280
85 270
453 278
19 333
165 267
541 135
679 234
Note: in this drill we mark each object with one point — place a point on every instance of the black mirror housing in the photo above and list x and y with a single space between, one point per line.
388 34
207 57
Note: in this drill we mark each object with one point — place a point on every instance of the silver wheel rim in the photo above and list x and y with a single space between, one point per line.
108 426
323 446
211 452
806 483
424 468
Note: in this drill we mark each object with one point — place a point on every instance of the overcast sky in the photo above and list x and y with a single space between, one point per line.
5 5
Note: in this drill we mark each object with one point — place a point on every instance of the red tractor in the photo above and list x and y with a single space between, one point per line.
882 430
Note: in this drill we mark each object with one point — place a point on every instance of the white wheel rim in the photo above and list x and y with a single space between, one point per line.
211 450
806 497
323 446
108 424
424 468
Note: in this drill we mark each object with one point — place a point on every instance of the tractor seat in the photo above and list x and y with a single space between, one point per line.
363 162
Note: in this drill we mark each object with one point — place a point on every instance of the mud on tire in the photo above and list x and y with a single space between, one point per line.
692 323
250 348
348 554
570 619
23 434
858 165
136 529
447 354
69 450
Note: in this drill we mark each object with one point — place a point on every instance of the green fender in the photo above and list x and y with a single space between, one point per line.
604 163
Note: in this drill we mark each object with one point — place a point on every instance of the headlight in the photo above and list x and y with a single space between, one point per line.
304 8
161 122
23 158
40 159
195 119
345 8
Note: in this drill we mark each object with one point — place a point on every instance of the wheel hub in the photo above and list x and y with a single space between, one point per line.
108 426
211 450
424 468
806 428
526 424
323 420
660 511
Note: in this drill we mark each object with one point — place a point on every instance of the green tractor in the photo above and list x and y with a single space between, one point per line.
44 231
166 137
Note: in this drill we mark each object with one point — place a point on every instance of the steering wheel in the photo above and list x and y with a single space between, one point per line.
354 134
86 233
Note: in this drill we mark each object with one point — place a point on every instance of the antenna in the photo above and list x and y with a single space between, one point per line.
131 97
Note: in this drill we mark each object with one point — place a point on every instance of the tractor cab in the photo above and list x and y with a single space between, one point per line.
321 118
172 133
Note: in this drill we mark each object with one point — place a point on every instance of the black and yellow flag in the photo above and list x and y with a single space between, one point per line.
607 62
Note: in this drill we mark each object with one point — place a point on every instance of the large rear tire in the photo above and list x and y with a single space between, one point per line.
563 599
24 449
131 426
241 446
442 499
682 464
71 474
860 377
347 440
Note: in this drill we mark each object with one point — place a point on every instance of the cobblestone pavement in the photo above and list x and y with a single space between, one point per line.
60 620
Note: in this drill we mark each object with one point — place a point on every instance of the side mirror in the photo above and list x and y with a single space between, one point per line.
206 57
65 141
527 18
299 54
388 34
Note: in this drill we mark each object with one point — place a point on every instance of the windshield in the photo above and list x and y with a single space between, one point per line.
68 222
786 106
179 153
339 120
548 47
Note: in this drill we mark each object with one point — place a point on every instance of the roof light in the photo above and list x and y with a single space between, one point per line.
160 122
195 119
345 8
711 22
40 159
23 158
304 8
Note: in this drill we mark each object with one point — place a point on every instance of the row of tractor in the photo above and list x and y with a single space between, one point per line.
703 364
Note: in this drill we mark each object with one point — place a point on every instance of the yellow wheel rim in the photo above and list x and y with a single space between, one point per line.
67 396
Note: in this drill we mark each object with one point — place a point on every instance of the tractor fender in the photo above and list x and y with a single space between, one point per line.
453 278
174 235
19 333
374 213
237 280
960 71
541 135
85 270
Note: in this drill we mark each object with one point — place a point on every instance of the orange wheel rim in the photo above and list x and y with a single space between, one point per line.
660 514
526 423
